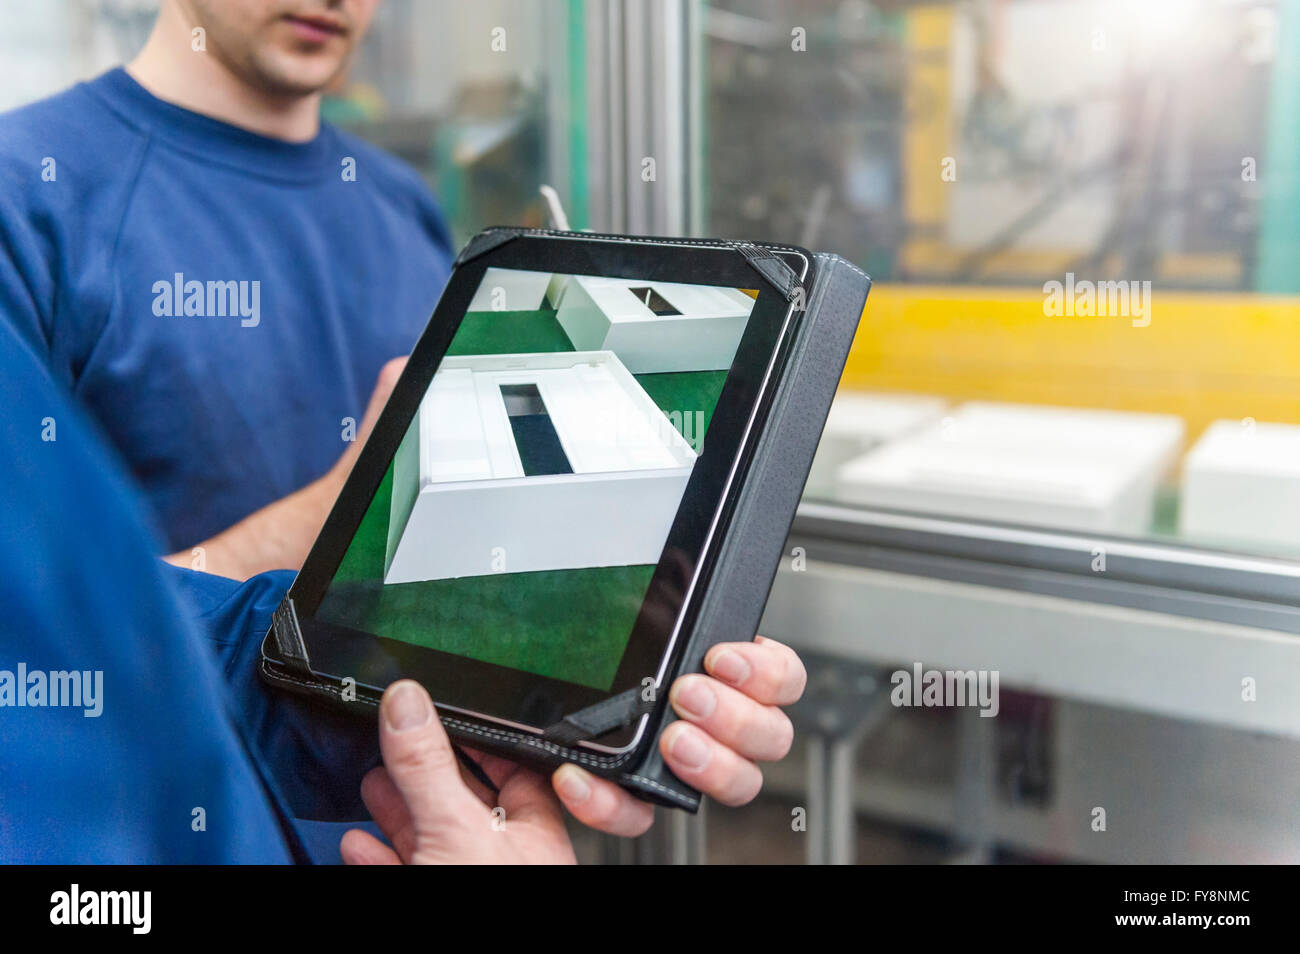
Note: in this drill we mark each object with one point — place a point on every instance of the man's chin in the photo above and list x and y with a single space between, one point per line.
294 75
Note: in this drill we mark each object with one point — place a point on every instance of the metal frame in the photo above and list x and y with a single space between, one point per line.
644 99
1160 577
1166 629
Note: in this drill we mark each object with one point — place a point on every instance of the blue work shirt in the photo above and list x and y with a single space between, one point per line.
219 301
171 749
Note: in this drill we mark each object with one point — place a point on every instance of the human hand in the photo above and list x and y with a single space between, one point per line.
434 813
729 720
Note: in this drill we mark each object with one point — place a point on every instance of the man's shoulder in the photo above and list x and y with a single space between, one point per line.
387 169
74 119
396 181
72 130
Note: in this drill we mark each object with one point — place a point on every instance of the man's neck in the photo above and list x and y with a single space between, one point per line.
169 68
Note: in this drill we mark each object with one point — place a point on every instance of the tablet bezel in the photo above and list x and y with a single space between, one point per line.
538 701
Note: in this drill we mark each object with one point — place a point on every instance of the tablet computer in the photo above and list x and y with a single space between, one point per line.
533 524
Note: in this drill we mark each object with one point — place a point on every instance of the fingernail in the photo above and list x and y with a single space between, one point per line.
730 667
689 749
571 784
408 707
695 698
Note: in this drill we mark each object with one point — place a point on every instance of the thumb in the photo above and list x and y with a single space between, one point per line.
420 760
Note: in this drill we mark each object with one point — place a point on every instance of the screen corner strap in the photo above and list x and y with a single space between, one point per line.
780 275
288 636
486 241
595 720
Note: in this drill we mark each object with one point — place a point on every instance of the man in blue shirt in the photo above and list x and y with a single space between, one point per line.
217 278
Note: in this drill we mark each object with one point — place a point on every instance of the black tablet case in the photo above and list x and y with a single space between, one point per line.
834 295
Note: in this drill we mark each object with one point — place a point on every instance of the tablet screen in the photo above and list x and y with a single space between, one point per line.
530 499
531 523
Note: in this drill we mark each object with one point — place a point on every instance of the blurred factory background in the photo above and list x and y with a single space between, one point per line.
1067 443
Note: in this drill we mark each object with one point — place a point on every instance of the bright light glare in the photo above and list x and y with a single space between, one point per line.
1163 29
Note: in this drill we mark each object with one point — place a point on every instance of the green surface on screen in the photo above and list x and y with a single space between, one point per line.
571 625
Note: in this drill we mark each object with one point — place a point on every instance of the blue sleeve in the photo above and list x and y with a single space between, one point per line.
119 741
65 179
316 754
27 280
